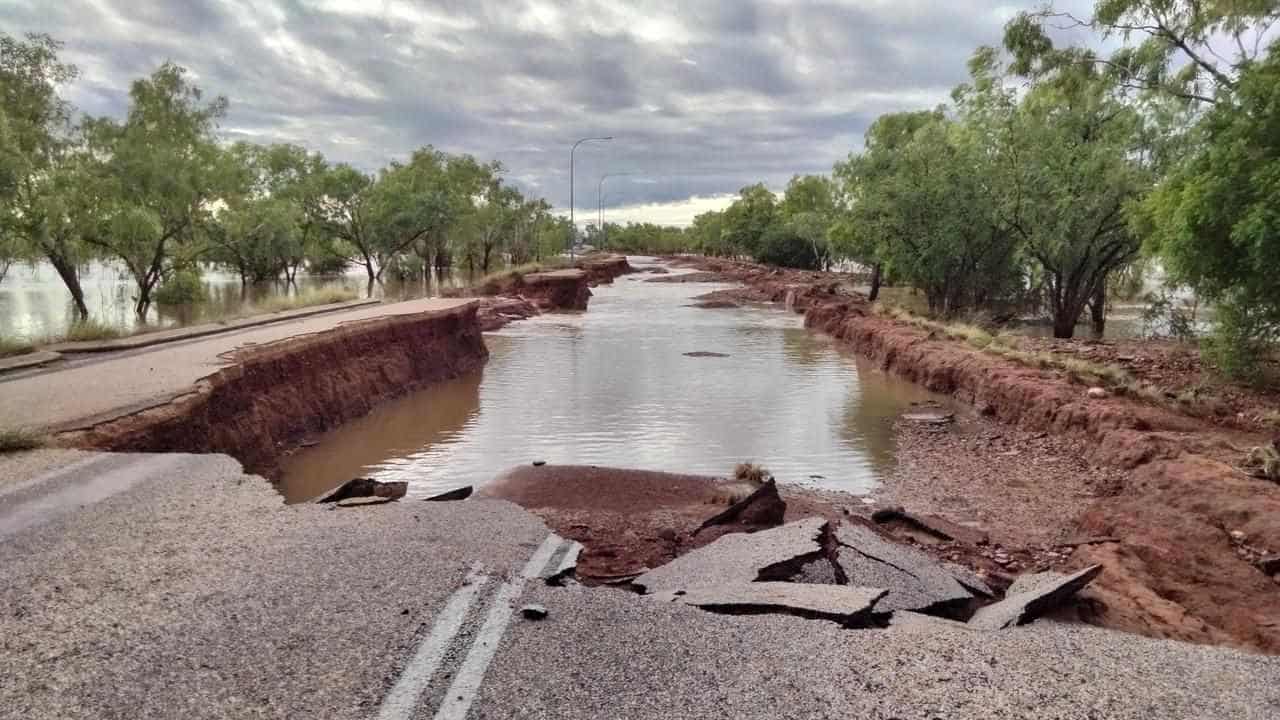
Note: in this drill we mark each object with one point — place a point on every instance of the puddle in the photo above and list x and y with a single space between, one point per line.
614 386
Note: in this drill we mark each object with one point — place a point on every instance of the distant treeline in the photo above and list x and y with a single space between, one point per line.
157 193
1056 174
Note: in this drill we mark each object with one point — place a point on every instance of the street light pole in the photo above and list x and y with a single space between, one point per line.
600 203
573 225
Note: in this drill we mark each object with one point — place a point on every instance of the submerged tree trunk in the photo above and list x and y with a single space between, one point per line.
67 271
875 282
1098 309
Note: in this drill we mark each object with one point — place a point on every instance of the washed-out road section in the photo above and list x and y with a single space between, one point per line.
102 387
190 591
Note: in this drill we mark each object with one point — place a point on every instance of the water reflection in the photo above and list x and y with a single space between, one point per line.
35 304
613 387
396 430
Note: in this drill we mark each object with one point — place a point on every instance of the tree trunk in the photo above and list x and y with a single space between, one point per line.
67 271
875 282
1098 309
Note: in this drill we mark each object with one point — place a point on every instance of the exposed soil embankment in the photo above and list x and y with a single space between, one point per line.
1187 522
273 397
517 295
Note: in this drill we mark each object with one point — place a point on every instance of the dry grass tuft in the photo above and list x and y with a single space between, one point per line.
20 439
751 472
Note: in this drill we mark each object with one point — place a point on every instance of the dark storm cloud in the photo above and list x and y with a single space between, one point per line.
704 97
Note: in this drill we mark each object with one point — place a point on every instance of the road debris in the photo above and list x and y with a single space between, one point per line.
366 488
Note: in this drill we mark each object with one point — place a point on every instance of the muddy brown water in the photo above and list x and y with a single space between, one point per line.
614 386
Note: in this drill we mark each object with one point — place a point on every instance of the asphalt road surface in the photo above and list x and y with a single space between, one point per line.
173 586
99 387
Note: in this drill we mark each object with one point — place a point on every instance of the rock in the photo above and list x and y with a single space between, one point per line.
776 554
762 508
364 488
1270 564
849 606
1097 393
714 305
566 569
914 579
930 418
1238 535
705 354
539 463
1032 596
461 493
533 612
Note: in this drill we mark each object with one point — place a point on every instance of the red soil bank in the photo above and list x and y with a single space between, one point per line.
276 395
1177 570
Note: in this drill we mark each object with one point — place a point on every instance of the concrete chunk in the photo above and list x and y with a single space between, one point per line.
1032 596
914 579
740 558
849 606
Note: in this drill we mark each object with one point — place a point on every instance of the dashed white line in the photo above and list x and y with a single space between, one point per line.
400 702
457 701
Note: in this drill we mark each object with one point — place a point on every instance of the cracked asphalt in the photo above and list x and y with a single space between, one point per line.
191 591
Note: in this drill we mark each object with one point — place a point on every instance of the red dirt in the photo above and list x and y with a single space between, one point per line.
631 520
1176 572
276 395
1177 369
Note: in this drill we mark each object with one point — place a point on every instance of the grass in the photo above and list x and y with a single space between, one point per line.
310 298
87 330
525 269
10 347
21 439
1006 346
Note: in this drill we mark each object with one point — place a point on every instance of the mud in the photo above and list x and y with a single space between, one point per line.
630 521
1174 496
275 396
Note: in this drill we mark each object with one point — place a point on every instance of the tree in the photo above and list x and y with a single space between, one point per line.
1069 171
38 198
1216 219
1188 49
343 212
746 220
158 172
864 223
922 202
808 207
707 234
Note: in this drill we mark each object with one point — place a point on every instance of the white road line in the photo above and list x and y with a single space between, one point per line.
401 701
457 701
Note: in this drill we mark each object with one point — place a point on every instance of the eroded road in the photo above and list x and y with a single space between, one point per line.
93 388
190 591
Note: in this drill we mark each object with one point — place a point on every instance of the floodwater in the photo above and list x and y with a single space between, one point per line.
34 303
613 386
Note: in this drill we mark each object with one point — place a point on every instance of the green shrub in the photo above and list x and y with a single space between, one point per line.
1243 337
181 287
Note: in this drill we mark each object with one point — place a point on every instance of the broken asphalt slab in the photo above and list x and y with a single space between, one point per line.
916 581
849 606
738 558
1032 596
366 488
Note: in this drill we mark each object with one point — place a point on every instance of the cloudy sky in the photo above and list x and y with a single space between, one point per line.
703 97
